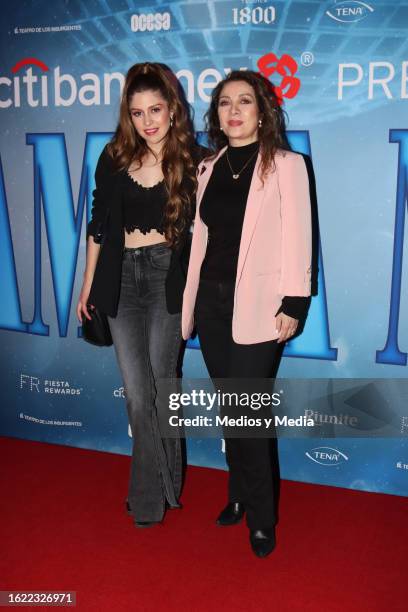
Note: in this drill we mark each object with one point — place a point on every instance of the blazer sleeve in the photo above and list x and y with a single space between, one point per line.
296 254
103 186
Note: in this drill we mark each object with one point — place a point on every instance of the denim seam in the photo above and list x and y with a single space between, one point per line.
152 393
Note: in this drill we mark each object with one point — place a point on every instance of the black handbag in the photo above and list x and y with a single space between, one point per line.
96 329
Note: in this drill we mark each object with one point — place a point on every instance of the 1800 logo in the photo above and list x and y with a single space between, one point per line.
259 14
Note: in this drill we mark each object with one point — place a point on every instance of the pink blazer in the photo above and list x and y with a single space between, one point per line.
275 250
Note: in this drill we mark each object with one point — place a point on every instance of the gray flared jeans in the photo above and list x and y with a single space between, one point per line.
147 342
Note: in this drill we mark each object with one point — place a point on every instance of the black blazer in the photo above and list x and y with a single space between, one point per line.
107 223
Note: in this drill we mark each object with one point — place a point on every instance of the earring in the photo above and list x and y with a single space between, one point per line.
221 130
171 120
260 123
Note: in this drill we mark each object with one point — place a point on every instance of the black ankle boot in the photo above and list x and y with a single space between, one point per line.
262 541
231 515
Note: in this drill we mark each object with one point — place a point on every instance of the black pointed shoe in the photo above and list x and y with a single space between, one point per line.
231 515
145 524
262 541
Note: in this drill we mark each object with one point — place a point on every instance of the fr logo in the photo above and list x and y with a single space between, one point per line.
286 67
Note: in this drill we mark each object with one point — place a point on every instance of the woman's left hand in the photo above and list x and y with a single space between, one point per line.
286 327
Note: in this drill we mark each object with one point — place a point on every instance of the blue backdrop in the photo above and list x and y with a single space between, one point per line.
343 71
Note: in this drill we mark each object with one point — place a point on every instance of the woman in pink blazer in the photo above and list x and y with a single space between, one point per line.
249 275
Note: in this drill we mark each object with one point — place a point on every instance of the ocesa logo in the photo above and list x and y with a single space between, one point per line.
150 22
325 455
350 11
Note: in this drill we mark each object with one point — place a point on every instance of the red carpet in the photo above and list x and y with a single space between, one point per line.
64 528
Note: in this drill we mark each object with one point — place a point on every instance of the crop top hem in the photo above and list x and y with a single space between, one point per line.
144 230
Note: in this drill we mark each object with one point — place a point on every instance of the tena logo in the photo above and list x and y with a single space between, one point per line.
350 11
325 455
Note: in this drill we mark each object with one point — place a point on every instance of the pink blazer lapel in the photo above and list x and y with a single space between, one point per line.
205 177
253 207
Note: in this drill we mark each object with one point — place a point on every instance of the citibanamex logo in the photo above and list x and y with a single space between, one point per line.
119 393
270 65
34 84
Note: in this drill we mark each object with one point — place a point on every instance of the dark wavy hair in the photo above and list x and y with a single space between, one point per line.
127 147
272 133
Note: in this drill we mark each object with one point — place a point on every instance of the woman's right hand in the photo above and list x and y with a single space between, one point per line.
82 306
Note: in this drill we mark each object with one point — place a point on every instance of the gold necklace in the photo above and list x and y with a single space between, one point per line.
236 175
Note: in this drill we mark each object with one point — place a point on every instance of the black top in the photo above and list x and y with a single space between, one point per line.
143 207
222 210
106 225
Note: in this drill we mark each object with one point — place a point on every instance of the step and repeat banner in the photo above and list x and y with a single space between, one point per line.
342 70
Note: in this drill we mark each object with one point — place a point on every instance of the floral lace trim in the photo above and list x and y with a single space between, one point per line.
144 186
144 230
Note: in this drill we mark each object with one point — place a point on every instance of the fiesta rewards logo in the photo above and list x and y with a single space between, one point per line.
326 455
34 384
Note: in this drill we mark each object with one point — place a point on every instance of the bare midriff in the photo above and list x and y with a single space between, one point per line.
136 239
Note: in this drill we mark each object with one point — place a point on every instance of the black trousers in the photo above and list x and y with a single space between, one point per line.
253 463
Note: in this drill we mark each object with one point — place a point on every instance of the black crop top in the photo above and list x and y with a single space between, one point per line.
143 207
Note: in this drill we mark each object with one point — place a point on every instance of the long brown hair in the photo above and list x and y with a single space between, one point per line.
271 134
128 147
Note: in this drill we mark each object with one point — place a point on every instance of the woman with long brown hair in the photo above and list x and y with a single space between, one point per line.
142 210
249 275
